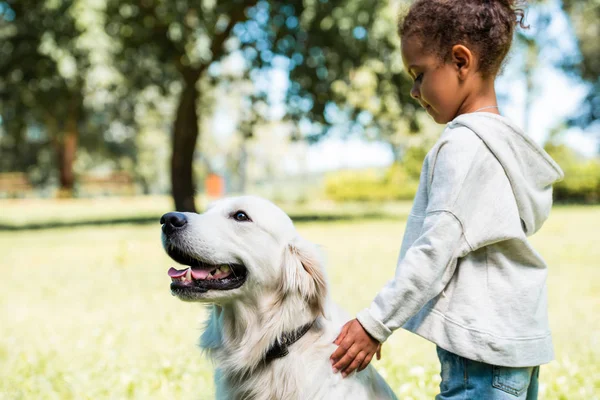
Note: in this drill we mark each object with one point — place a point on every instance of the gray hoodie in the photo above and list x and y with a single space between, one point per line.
467 278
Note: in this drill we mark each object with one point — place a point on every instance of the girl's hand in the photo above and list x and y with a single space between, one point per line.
356 349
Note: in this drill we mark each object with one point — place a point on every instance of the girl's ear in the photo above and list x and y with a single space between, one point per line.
463 60
303 273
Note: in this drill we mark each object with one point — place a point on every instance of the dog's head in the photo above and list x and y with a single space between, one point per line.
241 247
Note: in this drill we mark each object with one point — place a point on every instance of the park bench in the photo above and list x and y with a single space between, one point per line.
115 183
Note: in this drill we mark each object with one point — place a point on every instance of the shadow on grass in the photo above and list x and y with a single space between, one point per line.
146 220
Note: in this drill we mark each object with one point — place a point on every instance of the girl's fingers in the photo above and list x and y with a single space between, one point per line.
378 352
342 351
337 354
365 363
346 360
357 362
342 334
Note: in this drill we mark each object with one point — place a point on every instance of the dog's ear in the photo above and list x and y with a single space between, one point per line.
303 273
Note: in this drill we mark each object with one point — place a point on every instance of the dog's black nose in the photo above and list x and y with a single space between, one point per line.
172 221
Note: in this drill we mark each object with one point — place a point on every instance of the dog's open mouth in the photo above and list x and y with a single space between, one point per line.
200 276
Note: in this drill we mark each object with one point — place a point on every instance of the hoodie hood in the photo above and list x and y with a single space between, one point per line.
529 168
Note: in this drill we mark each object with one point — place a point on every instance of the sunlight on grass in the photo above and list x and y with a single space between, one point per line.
86 313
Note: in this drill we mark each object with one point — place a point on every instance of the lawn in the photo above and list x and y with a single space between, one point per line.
85 312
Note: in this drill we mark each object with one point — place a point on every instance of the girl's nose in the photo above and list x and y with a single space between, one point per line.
414 92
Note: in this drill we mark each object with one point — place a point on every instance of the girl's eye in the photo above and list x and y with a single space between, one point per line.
241 216
419 78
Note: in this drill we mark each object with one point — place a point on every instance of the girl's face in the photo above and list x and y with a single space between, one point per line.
436 84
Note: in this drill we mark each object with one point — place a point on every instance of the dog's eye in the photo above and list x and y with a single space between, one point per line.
241 216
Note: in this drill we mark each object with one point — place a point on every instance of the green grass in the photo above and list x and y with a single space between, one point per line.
85 313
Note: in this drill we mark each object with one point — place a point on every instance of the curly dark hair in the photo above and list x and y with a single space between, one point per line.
485 26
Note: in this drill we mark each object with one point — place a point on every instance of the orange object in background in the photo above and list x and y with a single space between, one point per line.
214 185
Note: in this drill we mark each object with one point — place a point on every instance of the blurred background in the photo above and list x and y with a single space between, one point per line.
113 112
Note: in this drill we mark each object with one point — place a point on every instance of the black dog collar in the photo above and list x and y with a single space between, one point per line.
279 349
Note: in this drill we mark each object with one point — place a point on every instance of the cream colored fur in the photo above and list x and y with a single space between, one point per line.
285 289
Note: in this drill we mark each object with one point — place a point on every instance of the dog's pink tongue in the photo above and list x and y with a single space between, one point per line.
200 273
176 273
196 273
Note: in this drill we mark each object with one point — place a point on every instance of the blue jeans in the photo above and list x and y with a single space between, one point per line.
472 380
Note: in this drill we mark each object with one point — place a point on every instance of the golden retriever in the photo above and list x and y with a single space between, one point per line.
271 323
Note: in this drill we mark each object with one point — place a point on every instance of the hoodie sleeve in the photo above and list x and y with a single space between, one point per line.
455 186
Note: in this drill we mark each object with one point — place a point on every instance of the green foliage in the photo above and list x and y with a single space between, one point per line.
346 67
584 15
398 182
371 185
337 53
582 178
413 161
53 105
40 79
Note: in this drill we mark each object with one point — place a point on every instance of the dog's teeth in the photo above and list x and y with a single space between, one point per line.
224 269
188 275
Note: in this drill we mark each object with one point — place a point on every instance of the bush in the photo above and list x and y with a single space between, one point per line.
369 185
581 183
400 181
582 178
412 161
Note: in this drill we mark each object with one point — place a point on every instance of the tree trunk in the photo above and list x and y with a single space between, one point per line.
67 149
185 135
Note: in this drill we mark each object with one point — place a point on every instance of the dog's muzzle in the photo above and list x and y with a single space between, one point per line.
200 276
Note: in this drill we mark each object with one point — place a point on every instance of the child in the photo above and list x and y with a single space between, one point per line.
467 278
